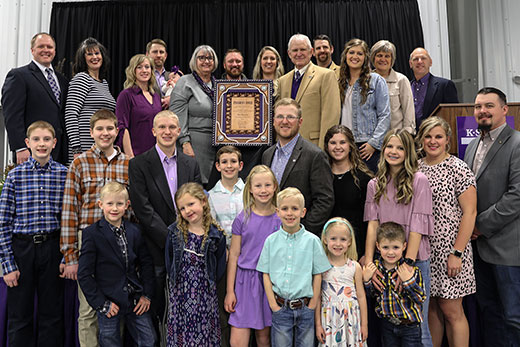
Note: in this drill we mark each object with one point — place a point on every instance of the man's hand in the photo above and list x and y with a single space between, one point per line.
114 309
366 151
70 272
475 234
11 279
187 149
22 156
165 102
142 306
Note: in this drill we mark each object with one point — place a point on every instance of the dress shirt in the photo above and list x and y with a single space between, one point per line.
30 204
393 303
42 68
484 146
170 170
281 157
161 77
87 174
291 260
121 240
419 89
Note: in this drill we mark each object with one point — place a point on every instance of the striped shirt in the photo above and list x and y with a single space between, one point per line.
86 96
391 303
30 204
87 174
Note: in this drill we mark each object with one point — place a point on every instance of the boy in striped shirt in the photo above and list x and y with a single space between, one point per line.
400 309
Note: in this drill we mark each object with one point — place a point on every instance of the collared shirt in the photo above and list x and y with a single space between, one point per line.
170 170
419 89
42 69
161 77
302 70
392 303
226 205
291 260
484 146
281 157
121 240
30 204
87 174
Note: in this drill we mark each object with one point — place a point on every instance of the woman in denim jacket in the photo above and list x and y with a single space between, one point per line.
365 101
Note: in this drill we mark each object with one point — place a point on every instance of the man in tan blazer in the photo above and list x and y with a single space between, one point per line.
314 88
323 50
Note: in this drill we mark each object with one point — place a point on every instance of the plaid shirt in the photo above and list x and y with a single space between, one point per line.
391 303
121 240
30 204
87 174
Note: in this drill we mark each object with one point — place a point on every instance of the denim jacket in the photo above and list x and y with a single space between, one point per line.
371 121
214 250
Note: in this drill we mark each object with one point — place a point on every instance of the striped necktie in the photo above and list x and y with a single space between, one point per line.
53 84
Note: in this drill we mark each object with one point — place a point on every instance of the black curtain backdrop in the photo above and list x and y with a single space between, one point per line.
124 27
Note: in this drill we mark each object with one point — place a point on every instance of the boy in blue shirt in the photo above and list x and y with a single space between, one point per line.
292 261
116 271
30 213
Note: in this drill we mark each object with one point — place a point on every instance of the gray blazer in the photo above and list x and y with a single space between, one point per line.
498 199
308 170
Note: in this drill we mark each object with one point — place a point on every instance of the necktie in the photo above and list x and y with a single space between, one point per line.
297 75
53 84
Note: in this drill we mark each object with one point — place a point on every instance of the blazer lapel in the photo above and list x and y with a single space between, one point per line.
159 177
430 93
306 80
292 160
37 73
499 142
109 236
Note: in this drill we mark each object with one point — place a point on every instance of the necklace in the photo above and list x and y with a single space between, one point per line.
340 176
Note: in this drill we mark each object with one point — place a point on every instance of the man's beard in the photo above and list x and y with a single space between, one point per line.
484 128
234 76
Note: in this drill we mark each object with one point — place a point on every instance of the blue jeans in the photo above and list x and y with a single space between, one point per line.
293 325
498 298
400 335
139 327
426 337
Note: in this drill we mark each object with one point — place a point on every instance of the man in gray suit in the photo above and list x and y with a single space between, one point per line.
495 160
299 163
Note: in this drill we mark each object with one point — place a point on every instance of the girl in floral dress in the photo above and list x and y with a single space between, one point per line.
342 319
195 261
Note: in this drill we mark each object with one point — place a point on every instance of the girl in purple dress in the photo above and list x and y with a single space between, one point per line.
195 261
245 295
400 193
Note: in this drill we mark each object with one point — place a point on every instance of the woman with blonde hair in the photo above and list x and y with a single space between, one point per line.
268 65
137 106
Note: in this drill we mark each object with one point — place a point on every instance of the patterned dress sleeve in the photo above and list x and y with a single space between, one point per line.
464 177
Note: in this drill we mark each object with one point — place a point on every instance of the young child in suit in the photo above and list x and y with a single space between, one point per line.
116 271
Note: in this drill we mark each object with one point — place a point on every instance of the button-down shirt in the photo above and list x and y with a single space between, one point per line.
281 157
30 204
170 170
87 174
53 73
392 303
226 205
161 77
121 240
419 89
291 260
484 146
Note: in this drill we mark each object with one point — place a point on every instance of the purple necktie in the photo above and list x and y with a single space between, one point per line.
53 84
296 84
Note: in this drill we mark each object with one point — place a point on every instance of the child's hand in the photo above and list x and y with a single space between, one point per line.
368 271
405 272
275 308
142 306
11 279
364 332
229 302
320 333
114 309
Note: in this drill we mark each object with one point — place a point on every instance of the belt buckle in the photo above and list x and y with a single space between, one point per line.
294 302
394 320
38 238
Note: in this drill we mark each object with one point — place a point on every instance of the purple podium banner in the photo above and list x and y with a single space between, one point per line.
467 130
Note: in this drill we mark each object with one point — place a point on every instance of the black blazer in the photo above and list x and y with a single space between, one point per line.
102 272
26 98
440 91
308 170
151 199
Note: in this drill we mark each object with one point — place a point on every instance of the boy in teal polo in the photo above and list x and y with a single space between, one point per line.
292 261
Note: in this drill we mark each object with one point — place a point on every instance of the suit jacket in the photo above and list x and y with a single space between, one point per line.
498 199
308 170
318 96
26 98
335 68
440 91
102 272
151 198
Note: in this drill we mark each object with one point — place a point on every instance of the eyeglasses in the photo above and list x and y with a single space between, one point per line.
205 57
290 117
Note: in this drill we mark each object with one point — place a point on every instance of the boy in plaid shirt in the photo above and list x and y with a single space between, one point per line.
30 207
88 173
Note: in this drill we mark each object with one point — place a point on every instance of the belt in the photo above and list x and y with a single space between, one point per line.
292 304
398 321
38 238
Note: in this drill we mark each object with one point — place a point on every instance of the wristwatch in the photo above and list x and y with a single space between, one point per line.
456 253
409 261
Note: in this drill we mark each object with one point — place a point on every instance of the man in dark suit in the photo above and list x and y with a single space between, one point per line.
154 177
35 92
428 90
495 159
297 162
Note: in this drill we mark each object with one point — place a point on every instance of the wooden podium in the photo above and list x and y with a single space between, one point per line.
450 112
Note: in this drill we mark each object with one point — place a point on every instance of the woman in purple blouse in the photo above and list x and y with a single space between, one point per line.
137 106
